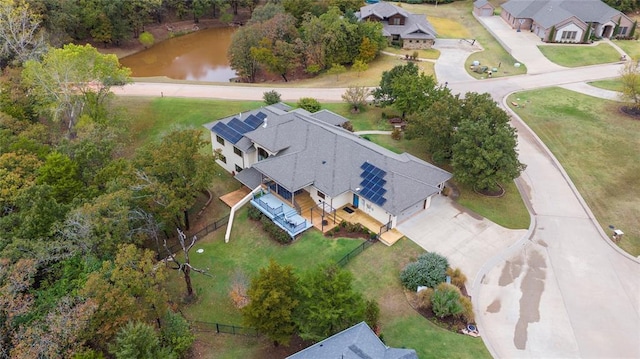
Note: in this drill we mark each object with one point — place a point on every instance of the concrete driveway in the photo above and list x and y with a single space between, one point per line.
523 46
465 238
453 54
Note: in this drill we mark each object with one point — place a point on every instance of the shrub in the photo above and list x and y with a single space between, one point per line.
348 126
396 134
271 97
445 301
276 233
457 277
146 39
424 299
176 333
313 69
372 313
254 214
467 310
310 104
429 270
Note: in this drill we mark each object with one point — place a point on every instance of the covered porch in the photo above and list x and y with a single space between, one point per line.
355 215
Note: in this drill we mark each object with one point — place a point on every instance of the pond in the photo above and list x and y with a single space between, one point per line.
198 56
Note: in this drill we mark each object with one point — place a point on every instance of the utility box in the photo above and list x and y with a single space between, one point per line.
617 234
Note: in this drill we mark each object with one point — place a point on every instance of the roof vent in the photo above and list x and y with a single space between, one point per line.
264 125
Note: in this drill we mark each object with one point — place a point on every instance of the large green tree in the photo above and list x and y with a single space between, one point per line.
172 172
384 94
74 80
21 35
484 153
274 298
328 304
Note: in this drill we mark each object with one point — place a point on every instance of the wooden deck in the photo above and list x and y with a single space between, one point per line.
230 199
358 216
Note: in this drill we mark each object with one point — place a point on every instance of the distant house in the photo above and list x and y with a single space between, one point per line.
571 21
483 8
307 159
412 31
359 342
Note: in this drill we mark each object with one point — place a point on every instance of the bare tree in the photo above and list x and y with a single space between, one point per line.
185 266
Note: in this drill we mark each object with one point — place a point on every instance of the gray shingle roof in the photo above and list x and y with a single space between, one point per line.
357 342
329 157
416 26
552 12
480 3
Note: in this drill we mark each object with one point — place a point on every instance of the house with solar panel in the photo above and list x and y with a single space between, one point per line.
305 170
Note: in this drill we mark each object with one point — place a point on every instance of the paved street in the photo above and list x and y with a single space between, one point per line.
562 289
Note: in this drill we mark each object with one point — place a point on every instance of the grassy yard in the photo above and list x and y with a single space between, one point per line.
613 85
508 211
598 147
631 47
369 119
455 20
401 325
248 250
580 55
423 54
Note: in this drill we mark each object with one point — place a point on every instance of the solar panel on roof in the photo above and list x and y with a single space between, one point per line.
253 121
239 126
226 132
372 185
261 115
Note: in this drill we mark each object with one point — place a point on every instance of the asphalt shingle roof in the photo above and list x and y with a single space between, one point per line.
311 151
357 342
551 12
416 26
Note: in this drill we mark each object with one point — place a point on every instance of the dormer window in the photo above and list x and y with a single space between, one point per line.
395 21
262 154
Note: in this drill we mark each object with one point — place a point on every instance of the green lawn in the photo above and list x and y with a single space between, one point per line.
613 85
423 54
248 250
455 20
580 55
631 47
598 147
376 273
508 211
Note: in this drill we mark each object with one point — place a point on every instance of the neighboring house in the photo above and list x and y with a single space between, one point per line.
413 31
483 8
571 21
308 156
357 342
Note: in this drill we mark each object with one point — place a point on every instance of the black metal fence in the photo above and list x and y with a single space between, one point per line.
207 327
359 249
211 227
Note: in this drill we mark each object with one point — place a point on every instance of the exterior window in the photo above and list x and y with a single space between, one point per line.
223 159
320 194
410 41
237 151
220 140
569 35
395 21
623 30
262 154
238 168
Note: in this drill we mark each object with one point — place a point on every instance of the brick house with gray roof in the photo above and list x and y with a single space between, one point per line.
296 153
571 19
413 31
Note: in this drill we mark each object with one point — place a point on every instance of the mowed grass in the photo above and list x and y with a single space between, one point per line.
467 27
613 85
508 211
580 55
598 147
376 272
370 118
422 53
248 250
631 47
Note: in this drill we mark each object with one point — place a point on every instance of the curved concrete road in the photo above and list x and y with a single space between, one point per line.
563 290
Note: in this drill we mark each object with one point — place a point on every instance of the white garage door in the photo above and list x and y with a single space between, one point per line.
487 12
411 211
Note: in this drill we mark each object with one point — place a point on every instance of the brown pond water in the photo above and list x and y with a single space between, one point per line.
198 56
